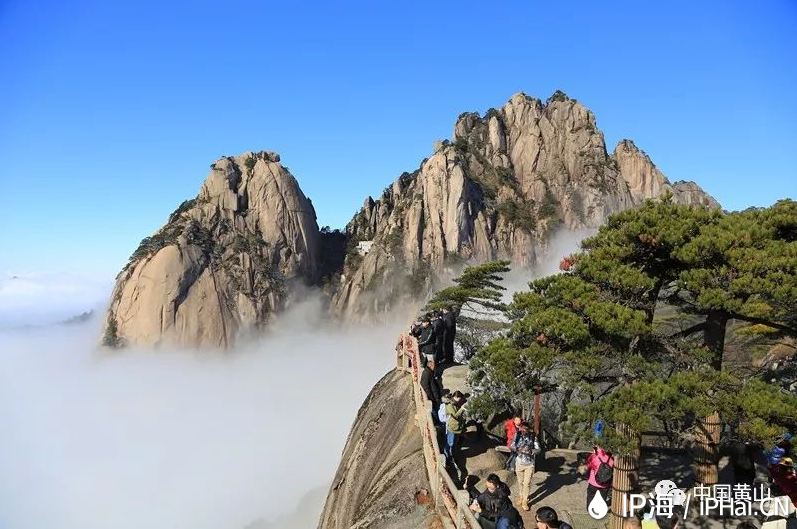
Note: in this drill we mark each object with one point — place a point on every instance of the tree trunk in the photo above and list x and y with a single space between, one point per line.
650 303
625 477
714 336
706 450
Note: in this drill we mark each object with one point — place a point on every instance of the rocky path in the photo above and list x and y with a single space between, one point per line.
557 482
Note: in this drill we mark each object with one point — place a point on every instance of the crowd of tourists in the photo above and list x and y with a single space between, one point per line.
435 333
493 506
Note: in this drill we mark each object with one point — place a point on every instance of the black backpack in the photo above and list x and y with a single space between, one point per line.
604 474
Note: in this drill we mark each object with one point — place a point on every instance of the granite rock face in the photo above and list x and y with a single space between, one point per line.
499 189
222 264
382 466
507 181
646 181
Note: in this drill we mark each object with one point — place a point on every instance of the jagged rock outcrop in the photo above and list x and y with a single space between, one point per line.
222 263
382 466
497 191
646 181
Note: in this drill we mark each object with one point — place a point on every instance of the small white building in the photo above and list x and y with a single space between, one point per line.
363 247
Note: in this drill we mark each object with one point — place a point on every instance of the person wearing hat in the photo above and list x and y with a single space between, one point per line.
785 478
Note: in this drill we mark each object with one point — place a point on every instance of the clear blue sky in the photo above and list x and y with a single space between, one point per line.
110 114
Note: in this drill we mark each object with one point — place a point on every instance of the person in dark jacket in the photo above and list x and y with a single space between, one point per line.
427 339
450 321
433 388
494 507
439 328
415 329
547 518
742 458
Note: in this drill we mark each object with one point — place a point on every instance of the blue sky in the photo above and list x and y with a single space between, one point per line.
111 112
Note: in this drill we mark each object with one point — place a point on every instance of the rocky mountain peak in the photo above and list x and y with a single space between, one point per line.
646 181
498 189
223 262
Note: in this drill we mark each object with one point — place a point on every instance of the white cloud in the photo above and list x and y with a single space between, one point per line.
177 440
39 298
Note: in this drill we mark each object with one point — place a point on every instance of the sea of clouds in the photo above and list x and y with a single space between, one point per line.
245 439
172 440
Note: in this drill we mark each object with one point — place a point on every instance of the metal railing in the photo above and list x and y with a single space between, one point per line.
447 497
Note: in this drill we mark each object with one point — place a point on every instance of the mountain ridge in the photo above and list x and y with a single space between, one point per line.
238 252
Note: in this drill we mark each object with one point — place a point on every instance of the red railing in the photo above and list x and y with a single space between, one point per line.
446 495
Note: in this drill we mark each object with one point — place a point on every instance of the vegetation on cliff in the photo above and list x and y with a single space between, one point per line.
633 331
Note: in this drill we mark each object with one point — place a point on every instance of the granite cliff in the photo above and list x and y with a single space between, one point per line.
222 263
500 188
505 183
382 467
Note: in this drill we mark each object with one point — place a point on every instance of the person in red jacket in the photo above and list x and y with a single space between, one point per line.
511 426
784 476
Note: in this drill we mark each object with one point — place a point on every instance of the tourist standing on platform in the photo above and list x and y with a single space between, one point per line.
455 411
450 321
526 447
427 340
600 465
433 389
511 426
439 329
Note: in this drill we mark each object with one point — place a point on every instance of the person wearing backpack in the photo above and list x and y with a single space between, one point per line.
455 425
600 465
526 447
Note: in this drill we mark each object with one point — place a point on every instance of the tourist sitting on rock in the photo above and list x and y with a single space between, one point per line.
494 507
547 518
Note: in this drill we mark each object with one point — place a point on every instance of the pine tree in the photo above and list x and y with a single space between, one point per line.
595 332
476 298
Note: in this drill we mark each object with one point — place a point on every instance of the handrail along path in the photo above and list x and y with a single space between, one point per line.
449 500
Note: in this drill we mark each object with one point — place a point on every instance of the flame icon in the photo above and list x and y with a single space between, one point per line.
597 507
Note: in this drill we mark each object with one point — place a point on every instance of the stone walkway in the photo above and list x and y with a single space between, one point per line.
557 483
